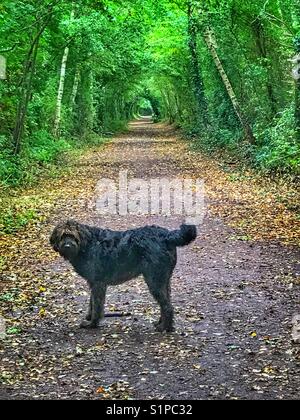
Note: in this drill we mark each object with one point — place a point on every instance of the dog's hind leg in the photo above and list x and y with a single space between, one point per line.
158 324
96 310
160 290
89 314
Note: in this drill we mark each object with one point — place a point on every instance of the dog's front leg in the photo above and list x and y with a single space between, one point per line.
98 298
96 309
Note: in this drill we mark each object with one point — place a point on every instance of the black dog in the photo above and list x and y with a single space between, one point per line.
104 257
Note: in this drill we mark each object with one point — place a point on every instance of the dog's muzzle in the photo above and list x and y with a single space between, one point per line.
69 250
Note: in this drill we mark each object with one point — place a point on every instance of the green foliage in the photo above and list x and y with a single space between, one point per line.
279 150
126 57
2 263
15 219
254 43
17 212
42 148
43 154
13 331
39 152
7 297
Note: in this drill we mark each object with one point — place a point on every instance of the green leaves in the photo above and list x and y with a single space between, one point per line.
128 50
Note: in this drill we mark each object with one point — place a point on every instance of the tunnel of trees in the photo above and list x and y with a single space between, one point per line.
224 71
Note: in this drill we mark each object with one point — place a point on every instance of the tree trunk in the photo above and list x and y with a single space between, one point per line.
166 106
197 81
75 87
84 108
296 72
210 41
297 108
296 8
26 88
260 40
24 100
57 120
177 103
61 87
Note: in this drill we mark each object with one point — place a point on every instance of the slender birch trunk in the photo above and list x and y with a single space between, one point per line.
75 87
211 44
61 88
60 94
296 74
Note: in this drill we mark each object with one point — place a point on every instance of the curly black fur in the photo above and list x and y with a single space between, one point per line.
105 257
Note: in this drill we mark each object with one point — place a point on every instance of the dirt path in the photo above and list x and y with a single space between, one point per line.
235 298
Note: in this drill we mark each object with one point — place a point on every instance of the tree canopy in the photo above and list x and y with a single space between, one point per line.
225 71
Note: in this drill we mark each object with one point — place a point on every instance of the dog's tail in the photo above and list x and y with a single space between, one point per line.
184 236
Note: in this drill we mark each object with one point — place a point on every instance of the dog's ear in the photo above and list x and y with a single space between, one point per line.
55 238
85 235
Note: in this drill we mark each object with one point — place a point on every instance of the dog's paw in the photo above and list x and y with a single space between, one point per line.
159 327
88 324
162 328
157 323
